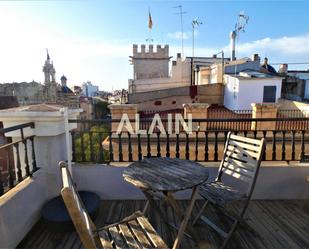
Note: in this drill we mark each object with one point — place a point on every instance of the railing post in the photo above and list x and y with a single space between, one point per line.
91 146
293 146
148 146
139 147
18 165
26 161
177 146
34 166
264 111
187 147
158 145
302 151
101 152
198 111
1 184
216 147
120 147
283 146
111 153
10 167
274 146
206 147
196 146
130 148
167 145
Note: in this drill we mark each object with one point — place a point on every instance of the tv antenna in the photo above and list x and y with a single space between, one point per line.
195 23
242 21
181 24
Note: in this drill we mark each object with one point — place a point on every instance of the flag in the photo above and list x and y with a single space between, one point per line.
149 21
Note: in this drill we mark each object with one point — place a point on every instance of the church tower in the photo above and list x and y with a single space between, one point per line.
50 80
49 71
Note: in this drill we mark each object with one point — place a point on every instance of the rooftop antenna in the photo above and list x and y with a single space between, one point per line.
195 23
242 21
181 24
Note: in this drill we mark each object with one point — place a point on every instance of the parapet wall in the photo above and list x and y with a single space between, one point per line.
148 51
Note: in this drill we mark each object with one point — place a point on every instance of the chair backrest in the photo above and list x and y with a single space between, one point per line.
241 159
76 209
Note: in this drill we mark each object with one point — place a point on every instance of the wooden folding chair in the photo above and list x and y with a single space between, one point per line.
134 231
241 161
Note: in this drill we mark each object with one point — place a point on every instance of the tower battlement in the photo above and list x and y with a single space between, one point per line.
149 52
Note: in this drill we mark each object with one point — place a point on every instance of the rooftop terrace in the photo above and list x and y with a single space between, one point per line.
278 217
269 224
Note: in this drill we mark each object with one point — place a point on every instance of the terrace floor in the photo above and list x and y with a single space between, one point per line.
269 224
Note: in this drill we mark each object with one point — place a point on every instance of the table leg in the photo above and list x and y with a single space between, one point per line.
186 217
153 203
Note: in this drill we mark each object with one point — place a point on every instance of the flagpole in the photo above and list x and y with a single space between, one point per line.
149 39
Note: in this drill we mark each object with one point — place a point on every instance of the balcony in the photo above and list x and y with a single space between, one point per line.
278 217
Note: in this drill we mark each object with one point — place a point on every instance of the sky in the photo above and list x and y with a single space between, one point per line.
92 40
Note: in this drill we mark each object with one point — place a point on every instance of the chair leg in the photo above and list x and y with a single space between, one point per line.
199 213
229 235
146 208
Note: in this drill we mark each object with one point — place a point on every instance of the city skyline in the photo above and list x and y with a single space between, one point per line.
93 41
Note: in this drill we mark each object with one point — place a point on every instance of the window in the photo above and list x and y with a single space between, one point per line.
158 102
269 94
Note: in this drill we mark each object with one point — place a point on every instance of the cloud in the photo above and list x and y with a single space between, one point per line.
177 35
286 48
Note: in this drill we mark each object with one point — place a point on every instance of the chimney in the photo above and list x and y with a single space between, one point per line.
256 57
283 68
233 38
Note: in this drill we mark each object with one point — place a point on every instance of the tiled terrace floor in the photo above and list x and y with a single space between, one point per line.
270 224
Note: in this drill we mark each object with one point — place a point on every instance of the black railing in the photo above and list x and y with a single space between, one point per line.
13 170
205 143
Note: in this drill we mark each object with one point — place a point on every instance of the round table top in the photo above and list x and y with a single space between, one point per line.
165 174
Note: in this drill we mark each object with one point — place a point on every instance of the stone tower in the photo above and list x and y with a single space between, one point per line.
148 63
50 81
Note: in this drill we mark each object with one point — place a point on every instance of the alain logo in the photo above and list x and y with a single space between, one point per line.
156 122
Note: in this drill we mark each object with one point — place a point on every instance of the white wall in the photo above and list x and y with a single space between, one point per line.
231 93
247 91
251 91
20 209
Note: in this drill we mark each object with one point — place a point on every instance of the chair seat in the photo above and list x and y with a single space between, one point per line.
219 193
134 232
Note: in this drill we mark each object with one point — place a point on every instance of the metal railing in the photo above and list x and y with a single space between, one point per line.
205 143
12 170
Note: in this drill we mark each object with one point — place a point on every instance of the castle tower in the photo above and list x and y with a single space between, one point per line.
148 63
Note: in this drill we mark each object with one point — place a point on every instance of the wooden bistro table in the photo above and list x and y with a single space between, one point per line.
158 177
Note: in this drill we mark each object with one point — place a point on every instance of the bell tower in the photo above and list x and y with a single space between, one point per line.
49 71
50 80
